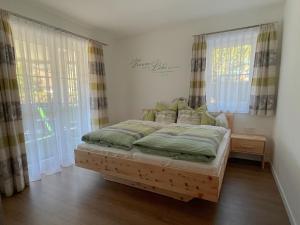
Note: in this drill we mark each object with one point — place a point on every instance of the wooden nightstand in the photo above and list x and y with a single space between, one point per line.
249 144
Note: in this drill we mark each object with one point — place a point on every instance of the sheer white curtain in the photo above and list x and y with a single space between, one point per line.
230 60
52 70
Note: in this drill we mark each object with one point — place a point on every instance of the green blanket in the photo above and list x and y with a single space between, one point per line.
190 143
121 135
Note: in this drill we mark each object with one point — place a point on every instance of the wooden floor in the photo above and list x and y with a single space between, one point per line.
81 197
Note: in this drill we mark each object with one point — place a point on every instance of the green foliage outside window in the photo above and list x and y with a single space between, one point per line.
232 61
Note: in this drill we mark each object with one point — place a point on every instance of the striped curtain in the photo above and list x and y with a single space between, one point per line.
98 100
13 161
263 87
197 95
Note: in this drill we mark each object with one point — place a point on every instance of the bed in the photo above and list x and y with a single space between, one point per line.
178 179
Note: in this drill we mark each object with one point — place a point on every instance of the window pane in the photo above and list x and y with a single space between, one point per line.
229 70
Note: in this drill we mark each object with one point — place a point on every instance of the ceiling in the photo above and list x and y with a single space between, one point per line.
128 17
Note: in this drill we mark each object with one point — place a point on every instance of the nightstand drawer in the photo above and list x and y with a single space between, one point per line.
247 146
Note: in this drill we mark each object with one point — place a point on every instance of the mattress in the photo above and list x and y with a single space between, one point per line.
208 168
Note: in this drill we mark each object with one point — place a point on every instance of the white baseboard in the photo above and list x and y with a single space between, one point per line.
283 196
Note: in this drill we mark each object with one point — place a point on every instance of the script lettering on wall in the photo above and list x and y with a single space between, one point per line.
154 66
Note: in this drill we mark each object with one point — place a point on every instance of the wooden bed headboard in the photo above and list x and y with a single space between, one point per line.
230 117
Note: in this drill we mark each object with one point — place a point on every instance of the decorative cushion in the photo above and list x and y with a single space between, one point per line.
148 114
182 103
221 120
215 114
201 109
165 116
182 99
208 119
189 116
162 106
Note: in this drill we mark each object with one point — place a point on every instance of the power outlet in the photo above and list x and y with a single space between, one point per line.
250 130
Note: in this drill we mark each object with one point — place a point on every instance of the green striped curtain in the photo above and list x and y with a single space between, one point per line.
98 100
263 87
197 96
13 162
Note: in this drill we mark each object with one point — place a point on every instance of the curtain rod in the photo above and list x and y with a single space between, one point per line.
234 29
53 27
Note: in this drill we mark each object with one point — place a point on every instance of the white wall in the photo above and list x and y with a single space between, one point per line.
287 122
173 46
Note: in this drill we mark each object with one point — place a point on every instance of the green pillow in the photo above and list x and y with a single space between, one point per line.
161 106
207 119
173 106
179 99
201 109
189 116
148 114
182 105
166 116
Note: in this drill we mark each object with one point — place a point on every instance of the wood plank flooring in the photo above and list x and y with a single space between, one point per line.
1 212
81 197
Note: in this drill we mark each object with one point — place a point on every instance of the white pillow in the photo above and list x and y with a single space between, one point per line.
221 121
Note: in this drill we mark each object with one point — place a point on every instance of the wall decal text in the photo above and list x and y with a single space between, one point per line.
154 66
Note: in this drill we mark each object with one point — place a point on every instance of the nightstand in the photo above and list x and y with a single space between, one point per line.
249 144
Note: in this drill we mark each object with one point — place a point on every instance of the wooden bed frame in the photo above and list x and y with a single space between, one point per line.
175 183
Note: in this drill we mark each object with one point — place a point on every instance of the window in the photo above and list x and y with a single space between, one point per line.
52 74
230 60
